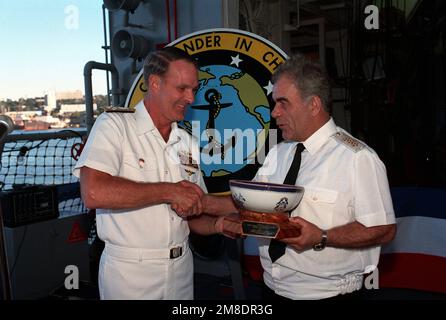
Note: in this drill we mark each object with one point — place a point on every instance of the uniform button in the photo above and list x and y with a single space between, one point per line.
315 198
166 172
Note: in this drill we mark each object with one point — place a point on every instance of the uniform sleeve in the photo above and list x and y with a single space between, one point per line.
201 183
103 148
373 203
195 149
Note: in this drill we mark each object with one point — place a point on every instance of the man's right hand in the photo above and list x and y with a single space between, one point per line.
187 199
229 226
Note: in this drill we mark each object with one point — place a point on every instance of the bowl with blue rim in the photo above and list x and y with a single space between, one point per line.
265 197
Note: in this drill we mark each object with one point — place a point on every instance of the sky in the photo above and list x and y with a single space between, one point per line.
45 45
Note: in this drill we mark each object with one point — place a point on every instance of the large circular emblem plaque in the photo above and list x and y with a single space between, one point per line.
231 114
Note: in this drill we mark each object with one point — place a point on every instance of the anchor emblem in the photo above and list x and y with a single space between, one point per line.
213 97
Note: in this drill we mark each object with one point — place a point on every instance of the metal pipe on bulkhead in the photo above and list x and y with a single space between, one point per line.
89 66
106 47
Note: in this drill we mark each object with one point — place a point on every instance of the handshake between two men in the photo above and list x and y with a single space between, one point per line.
221 215
205 213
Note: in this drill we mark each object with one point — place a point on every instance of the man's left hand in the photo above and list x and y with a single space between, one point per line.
309 236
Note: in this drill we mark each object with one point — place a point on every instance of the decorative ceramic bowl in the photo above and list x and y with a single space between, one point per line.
265 197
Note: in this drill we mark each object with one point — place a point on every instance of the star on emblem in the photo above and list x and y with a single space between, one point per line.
236 60
268 88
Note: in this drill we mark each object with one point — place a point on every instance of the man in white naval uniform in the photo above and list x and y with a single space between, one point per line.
346 212
141 173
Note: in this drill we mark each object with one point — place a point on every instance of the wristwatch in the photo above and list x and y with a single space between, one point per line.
321 245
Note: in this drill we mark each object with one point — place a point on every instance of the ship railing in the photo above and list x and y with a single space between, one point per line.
41 158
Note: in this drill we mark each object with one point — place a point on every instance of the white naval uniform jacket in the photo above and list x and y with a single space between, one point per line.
128 145
344 181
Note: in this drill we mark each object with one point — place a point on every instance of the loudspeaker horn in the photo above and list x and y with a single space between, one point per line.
126 5
127 45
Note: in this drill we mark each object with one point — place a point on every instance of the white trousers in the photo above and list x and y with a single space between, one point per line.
141 274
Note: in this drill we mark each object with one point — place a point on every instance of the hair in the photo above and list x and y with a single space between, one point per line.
309 77
157 62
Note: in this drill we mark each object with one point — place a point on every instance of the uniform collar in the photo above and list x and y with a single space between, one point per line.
320 137
144 123
175 135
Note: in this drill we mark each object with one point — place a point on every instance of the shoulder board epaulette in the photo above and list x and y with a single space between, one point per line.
347 140
186 130
119 109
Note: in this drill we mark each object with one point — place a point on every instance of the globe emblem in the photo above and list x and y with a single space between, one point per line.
227 118
230 117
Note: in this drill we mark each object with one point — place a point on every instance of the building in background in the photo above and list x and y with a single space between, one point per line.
70 95
51 101
72 108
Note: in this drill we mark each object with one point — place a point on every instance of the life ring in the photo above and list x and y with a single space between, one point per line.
76 150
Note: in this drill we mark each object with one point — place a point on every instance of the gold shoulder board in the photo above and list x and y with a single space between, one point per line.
119 109
353 144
